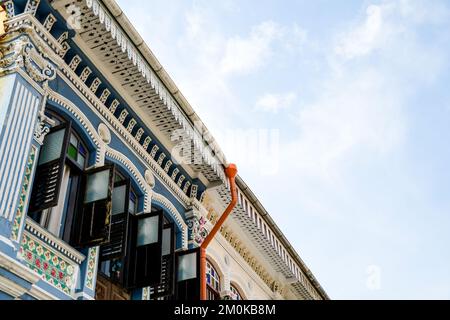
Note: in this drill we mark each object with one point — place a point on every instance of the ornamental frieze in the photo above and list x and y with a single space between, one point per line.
245 254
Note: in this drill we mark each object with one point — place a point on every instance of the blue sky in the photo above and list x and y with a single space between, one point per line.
354 95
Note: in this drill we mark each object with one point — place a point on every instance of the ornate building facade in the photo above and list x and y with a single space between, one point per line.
109 181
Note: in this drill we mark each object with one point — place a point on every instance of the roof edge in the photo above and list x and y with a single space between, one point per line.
148 54
271 223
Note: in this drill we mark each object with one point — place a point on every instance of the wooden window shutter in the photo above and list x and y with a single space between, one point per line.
93 222
116 248
188 275
143 266
50 169
166 286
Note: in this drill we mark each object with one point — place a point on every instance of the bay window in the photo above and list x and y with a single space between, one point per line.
68 199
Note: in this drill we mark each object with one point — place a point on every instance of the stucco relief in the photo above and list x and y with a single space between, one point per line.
197 228
21 52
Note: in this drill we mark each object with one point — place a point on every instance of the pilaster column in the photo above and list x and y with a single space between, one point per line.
24 74
42 128
89 274
19 105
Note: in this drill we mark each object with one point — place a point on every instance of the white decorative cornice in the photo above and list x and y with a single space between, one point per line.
121 131
49 22
76 112
100 139
27 24
31 6
165 96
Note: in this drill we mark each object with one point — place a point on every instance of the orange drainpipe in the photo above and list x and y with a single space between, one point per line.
231 172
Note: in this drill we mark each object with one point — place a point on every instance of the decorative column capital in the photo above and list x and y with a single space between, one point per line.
17 50
43 126
44 123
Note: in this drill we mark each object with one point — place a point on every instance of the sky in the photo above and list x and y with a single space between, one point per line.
337 114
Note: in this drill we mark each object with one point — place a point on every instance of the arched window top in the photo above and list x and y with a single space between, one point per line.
77 149
212 276
236 293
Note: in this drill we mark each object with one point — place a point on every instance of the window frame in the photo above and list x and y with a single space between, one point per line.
133 277
187 289
79 238
235 290
210 266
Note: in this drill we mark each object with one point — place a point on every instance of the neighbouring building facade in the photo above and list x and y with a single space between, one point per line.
109 181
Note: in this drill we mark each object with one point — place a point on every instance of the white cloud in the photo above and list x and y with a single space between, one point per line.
366 37
245 55
385 23
275 102
361 108
357 112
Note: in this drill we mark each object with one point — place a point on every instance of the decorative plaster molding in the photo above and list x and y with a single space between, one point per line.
104 133
197 227
49 22
105 95
9 7
150 179
245 254
121 131
152 79
139 134
44 123
42 129
19 218
145 187
27 24
85 74
163 201
21 52
32 6
37 231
